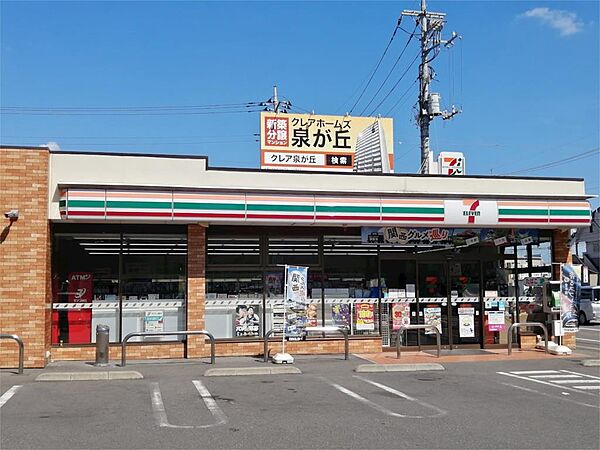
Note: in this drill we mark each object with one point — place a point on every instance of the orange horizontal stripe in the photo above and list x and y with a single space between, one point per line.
147 194
184 196
280 199
341 200
86 193
412 202
545 204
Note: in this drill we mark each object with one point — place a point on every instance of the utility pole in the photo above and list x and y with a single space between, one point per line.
273 104
275 99
431 24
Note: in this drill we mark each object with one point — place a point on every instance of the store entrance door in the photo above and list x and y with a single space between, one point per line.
449 297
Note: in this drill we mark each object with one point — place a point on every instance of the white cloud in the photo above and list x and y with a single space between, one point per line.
565 22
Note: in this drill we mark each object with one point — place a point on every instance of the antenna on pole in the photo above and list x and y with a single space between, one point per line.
431 24
273 104
275 99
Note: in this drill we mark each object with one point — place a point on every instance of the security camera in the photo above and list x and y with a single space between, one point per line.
13 214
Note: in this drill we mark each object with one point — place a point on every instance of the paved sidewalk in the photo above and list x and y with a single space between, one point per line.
489 356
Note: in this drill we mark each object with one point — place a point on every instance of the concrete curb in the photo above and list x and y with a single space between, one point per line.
591 362
90 376
371 368
243 371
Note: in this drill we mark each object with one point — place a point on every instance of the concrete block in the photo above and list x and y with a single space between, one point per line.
591 362
125 375
425 367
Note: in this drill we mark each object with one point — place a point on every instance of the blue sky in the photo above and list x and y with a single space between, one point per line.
529 76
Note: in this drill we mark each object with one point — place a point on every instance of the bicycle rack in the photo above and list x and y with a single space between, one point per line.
418 327
18 340
342 330
526 324
167 333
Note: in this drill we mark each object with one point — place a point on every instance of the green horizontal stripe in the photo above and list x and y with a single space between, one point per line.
86 204
412 210
62 203
523 212
217 206
306 208
569 212
347 209
140 205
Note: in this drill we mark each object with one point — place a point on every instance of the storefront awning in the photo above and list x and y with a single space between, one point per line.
286 209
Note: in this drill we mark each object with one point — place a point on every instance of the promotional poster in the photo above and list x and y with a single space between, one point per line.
433 316
340 315
247 321
400 315
365 316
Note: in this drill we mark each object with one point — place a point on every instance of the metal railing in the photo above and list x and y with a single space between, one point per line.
16 338
166 333
342 330
526 324
418 327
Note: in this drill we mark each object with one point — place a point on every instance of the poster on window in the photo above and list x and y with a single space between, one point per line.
312 315
433 316
296 301
247 321
495 320
466 325
340 315
400 315
80 288
365 317
570 291
154 321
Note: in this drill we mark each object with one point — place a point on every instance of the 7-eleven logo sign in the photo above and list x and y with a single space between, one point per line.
471 211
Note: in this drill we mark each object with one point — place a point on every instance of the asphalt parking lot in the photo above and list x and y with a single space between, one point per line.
504 404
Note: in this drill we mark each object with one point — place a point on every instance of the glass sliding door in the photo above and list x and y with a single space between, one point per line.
465 303
433 301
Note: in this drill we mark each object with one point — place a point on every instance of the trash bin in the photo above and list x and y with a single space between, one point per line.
102 333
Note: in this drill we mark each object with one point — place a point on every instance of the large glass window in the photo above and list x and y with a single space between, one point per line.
129 281
351 284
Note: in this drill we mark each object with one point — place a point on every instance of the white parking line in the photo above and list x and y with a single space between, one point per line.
160 414
211 404
440 412
588 388
588 348
531 372
549 395
383 409
573 381
588 340
542 382
581 374
554 376
9 393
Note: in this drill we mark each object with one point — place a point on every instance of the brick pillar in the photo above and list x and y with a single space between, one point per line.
196 289
561 251
25 293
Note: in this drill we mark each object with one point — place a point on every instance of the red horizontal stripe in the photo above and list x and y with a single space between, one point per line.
214 215
570 220
279 216
370 218
414 218
86 213
137 214
520 219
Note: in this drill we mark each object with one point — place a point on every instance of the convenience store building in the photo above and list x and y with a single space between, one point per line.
162 242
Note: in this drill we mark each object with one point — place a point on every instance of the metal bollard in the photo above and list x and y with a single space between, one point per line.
102 338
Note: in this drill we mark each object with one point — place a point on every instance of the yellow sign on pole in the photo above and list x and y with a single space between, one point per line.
330 143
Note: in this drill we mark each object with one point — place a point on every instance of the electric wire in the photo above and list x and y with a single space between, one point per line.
164 113
390 71
378 64
396 84
559 162
404 94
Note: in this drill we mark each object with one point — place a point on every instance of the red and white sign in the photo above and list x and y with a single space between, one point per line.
81 287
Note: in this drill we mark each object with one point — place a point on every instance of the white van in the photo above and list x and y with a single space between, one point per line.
589 304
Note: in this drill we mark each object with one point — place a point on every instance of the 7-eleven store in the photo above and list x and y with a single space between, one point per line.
151 243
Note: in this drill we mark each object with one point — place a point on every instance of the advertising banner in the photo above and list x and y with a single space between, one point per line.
400 315
433 316
331 143
247 321
154 321
466 328
447 236
365 317
570 291
296 301
495 320
340 315
81 287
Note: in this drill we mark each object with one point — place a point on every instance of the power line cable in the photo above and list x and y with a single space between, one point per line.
559 162
130 113
396 84
378 64
391 71
129 108
401 97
